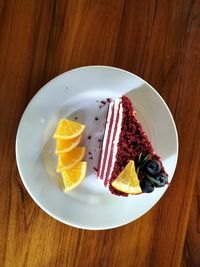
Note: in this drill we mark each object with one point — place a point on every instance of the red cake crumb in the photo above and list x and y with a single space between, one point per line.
132 142
108 100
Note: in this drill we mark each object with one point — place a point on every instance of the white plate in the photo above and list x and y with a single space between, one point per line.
74 93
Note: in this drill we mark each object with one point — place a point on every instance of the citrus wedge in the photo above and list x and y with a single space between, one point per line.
69 159
67 129
127 181
66 145
74 176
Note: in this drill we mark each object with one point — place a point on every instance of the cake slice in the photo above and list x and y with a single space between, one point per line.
124 141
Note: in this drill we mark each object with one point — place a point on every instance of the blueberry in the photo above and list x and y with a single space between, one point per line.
146 185
153 167
161 179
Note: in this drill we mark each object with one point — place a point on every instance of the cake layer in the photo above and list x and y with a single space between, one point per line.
106 140
112 132
113 144
124 140
108 143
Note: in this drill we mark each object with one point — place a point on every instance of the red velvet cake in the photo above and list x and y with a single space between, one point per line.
125 140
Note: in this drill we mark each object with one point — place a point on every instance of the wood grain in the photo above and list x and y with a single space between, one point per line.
159 41
191 255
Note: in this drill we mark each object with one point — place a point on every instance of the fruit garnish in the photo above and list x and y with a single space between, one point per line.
67 129
69 159
147 185
153 167
66 145
127 181
74 176
142 160
152 171
160 179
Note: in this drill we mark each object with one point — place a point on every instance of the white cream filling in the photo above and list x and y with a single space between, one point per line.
106 157
117 105
115 142
105 139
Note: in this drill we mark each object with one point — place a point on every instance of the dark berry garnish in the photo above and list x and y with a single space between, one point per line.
89 137
146 185
108 100
103 102
153 167
96 118
76 118
161 178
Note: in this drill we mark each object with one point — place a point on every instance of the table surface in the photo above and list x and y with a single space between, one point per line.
157 40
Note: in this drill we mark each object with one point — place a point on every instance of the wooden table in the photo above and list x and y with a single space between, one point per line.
157 40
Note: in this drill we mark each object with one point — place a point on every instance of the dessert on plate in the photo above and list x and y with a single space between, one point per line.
128 163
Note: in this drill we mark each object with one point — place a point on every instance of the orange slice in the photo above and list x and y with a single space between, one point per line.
67 129
69 159
66 145
74 176
127 181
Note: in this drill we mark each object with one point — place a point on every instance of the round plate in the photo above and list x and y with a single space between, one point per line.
76 94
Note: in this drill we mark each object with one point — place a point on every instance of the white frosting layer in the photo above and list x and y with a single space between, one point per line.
115 142
105 139
117 105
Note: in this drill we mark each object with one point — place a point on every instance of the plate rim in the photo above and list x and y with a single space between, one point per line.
69 223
